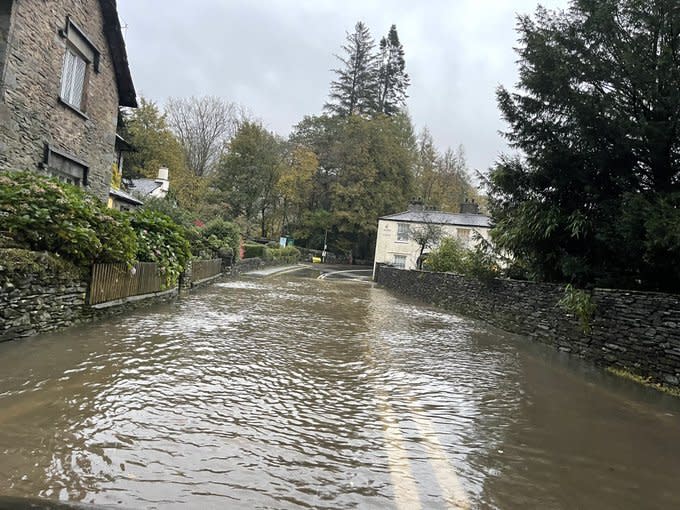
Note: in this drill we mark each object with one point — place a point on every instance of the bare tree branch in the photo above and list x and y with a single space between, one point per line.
203 126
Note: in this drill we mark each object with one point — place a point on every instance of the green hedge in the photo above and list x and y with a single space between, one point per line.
40 213
162 241
288 254
254 250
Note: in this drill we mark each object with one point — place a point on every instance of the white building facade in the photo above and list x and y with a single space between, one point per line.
395 246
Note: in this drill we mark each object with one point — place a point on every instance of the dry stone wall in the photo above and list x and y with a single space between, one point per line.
32 302
635 331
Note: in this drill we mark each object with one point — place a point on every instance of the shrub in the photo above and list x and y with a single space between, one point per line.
168 207
225 231
41 213
162 241
449 257
580 303
288 254
251 250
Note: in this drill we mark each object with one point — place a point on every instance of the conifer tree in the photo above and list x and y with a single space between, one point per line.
392 78
594 197
354 92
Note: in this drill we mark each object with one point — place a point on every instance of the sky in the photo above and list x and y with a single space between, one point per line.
275 57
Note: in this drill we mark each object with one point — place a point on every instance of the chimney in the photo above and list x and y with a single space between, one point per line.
416 205
469 207
162 179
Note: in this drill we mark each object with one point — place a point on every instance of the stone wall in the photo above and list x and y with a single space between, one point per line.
634 331
40 292
38 295
31 115
255 263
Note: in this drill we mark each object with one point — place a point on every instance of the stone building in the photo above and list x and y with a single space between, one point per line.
396 246
63 75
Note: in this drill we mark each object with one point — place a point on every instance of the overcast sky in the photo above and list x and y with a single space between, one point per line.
275 56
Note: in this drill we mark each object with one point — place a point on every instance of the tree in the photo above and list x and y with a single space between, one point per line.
203 125
155 145
426 235
364 171
392 78
248 173
355 91
596 118
453 184
441 180
425 170
296 185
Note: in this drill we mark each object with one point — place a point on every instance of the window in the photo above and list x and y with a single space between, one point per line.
399 261
403 231
73 79
80 54
64 167
463 234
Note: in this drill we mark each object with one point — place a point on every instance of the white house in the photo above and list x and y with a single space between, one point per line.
395 246
156 188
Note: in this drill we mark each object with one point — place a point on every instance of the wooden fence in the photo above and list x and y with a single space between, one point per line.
116 281
201 269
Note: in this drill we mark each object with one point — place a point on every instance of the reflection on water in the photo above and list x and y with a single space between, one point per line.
293 392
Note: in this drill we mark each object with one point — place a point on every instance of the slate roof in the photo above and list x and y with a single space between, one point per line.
144 186
441 218
121 195
114 36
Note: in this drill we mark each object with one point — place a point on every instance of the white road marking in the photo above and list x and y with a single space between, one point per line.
452 490
403 483
324 275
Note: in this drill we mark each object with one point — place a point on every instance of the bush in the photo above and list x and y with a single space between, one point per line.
162 241
453 257
41 213
254 250
449 257
288 254
225 231
168 207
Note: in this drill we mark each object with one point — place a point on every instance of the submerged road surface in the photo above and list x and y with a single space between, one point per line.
296 392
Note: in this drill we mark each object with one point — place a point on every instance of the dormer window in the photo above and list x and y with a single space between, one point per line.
79 57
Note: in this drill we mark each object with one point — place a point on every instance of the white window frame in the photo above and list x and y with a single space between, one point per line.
403 232
401 264
73 75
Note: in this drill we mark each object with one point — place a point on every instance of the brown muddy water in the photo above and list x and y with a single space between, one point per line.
293 392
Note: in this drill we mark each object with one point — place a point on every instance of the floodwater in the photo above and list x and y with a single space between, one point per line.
294 392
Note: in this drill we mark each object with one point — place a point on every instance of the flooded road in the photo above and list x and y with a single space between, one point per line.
295 392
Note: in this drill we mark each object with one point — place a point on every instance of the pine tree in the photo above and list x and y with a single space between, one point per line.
392 77
355 90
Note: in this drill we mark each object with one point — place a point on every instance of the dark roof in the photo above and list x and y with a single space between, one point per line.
144 186
123 145
441 218
114 36
121 195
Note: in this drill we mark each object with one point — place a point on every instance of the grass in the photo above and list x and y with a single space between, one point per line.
645 381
